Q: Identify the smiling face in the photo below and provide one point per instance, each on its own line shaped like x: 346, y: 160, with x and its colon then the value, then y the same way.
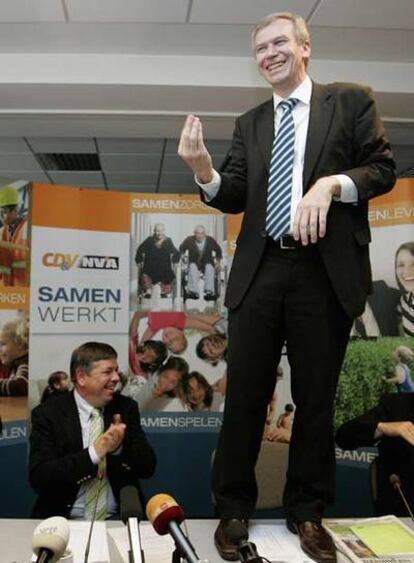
x: 168, y: 380
x: 10, y: 350
x: 97, y: 386
x: 200, y: 233
x: 174, y: 339
x: 196, y: 392
x: 404, y: 269
x: 214, y: 348
x: 159, y: 231
x: 280, y: 57
x: 148, y: 356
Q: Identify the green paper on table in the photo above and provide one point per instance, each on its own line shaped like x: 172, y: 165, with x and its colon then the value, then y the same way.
x: 385, y: 539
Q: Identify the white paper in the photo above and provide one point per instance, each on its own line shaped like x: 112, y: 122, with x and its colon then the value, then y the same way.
x: 277, y: 544
x: 157, y: 549
x: 98, y: 552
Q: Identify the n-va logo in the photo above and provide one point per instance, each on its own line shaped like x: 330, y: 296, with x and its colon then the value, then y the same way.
x: 87, y: 261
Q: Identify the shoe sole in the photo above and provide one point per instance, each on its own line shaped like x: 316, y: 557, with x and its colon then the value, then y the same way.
x: 224, y: 555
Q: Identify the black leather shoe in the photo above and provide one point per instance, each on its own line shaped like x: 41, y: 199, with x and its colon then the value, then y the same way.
x: 209, y: 296
x: 224, y: 537
x: 192, y: 295
x: 314, y: 540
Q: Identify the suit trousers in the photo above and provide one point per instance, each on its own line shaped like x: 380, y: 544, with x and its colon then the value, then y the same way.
x: 290, y: 300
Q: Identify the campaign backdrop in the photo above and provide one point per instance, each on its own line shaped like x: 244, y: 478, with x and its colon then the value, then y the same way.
x: 129, y: 269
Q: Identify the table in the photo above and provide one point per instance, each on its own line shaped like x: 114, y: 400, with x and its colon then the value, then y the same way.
x: 13, y: 408
x: 15, y: 538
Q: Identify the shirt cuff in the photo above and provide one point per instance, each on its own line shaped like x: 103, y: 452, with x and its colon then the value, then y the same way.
x: 349, y: 192
x: 211, y: 188
x: 93, y: 455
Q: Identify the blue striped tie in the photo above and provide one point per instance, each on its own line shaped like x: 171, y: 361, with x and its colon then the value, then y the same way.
x: 279, y: 191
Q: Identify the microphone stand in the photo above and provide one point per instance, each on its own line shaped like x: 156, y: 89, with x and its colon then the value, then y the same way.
x: 135, y: 553
x: 180, y: 553
x: 95, y: 506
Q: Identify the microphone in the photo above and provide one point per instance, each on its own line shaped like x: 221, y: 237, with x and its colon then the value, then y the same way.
x: 50, y: 539
x: 238, y: 535
x: 166, y: 516
x: 131, y: 514
x: 396, y: 483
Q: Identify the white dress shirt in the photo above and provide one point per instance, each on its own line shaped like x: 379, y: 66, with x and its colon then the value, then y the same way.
x: 78, y: 508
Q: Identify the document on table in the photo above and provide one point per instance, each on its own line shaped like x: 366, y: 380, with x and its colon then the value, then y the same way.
x: 277, y: 544
x: 384, y: 539
x: 157, y: 549
x: 98, y: 552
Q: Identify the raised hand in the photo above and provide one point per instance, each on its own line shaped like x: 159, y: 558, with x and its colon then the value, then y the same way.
x: 192, y: 150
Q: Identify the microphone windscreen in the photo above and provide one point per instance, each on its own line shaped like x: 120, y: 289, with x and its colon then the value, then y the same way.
x: 53, y: 534
x: 130, y: 505
x: 237, y: 532
x: 395, y: 480
x: 161, y: 510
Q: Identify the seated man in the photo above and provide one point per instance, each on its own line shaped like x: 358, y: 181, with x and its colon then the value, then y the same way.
x: 204, y: 256
x: 157, y: 254
x: 88, y: 444
x: 390, y: 426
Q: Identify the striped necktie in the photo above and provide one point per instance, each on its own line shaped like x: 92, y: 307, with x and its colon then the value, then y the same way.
x: 279, y: 191
x: 96, y: 488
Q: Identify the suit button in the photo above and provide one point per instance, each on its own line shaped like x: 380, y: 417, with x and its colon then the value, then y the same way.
x: 263, y: 233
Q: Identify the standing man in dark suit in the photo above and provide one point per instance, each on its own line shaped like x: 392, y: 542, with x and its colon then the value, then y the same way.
x: 301, y: 271
x: 390, y: 426
x: 72, y: 460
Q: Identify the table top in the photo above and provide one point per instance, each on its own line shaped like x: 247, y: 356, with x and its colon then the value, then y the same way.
x: 13, y: 408
x: 15, y: 538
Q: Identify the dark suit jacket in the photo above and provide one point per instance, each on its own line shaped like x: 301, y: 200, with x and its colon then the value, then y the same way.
x: 201, y: 259
x: 59, y: 465
x: 395, y: 455
x: 344, y: 136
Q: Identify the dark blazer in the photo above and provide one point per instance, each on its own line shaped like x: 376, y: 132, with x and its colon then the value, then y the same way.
x: 344, y: 136
x: 201, y: 259
x: 59, y: 465
x: 157, y: 260
x: 395, y: 455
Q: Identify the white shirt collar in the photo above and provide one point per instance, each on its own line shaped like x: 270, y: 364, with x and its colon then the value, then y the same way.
x: 303, y: 93
x: 84, y: 408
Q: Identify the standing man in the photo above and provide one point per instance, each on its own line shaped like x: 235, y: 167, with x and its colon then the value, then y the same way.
x: 204, y: 256
x: 88, y: 444
x: 303, y: 167
x: 14, y: 249
x: 157, y: 254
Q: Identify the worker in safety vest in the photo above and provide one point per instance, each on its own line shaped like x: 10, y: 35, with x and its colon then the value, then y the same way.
x: 14, y: 249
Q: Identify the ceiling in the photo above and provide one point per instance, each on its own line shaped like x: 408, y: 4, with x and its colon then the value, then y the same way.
x: 116, y: 78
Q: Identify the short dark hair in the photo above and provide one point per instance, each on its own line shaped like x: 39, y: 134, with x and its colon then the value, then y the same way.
x: 159, y: 349
x: 177, y: 364
x: 87, y: 354
x: 185, y: 386
x: 56, y: 377
x: 200, y: 345
x: 173, y: 362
